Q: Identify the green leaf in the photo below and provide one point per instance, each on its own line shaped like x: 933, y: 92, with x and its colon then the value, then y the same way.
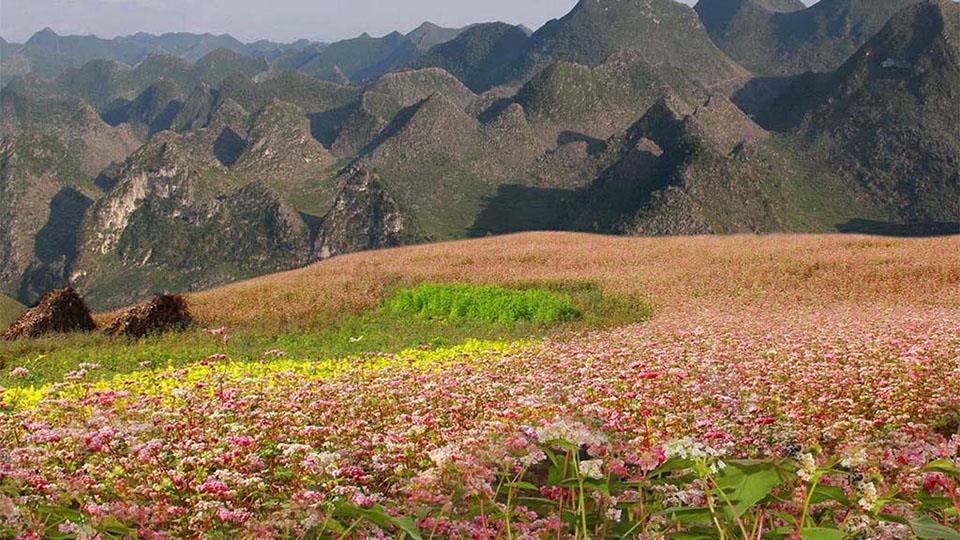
x: 928, y: 529
x: 816, y: 533
x: 934, y: 503
x: 522, y: 485
x: 688, y: 515
x: 747, y: 483
x: 672, y: 464
x: 944, y: 466
x: 829, y: 493
x: 378, y: 517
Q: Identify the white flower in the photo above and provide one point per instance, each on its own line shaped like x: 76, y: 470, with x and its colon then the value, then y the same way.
x: 570, y: 432
x: 614, y: 514
x: 442, y: 456
x: 687, y: 448
x: 807, y: 466
x: 592, y: 468
x: 854, y: 458
x: 868, y: 496
x: 535, y: 456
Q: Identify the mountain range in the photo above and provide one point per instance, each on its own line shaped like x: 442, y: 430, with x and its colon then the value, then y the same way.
x: 168, y: 163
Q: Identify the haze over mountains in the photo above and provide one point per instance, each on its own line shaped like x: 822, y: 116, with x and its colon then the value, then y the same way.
x: 150, y: 163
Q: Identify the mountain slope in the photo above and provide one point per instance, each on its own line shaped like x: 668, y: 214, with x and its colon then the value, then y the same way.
x: 428, y: 35
x: 706, y: 168
x: 603, y: 100
x: 887, y: 117
x: 481, y: 56
x: 382, y: 101
x: 772, y: 43
x: 360, y: 59
x: 662, y: 30
x: 48, y: 54
x: 52, y: 151
x: 178, y: 192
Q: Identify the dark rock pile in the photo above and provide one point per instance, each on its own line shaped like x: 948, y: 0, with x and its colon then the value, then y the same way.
x: 59, y: 311
x: 162, y: 313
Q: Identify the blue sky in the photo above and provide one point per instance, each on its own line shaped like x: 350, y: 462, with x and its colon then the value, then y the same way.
x: 283, y: 20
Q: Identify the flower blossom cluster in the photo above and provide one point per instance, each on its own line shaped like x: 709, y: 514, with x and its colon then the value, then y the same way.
x: 254, y: 453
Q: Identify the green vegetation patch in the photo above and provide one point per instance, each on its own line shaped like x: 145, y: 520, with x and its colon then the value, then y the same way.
x: 10, y: 309
x: 563, y: 306
x: 460, y: 301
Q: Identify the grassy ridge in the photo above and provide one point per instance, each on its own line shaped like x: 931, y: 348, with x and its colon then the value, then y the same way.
x: 10, y: 309
x: 332, y: 309
x: 534, y: 311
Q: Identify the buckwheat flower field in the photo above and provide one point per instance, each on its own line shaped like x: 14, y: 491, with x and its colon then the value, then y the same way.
x: 712, y: 420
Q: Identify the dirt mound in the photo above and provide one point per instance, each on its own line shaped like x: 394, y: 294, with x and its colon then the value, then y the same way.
x: 163, y: 313
x: 59, y: 311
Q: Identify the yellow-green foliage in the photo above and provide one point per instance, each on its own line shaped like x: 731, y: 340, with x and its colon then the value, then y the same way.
x: 163, y: 382
x: 461, y: 301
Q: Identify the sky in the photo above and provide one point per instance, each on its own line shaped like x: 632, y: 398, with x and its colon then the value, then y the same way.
x: 279, y: 20
x: 248, y: 20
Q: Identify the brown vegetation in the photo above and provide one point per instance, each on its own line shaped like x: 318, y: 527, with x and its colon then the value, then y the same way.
x: 59, y: 311
x: 677, y: 274
x: 162, y: 313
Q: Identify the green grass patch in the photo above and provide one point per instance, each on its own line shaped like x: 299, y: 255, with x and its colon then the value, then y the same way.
x: 572, y: 306
x: 465, y: 302
x: 10, y: 309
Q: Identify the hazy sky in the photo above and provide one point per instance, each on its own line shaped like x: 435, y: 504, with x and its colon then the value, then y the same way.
x: 264, y: 19
x: 281, y: 20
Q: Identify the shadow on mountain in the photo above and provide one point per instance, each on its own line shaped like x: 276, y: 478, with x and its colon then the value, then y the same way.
x: 884, y: 228
x: 228, y: 147
x: 164, y: 120
x: 594, y: 145
x: 517, y: 208
x: 493, y: 111
x: 325, y: 126
x: 757, y: 96
x: 55, y: 246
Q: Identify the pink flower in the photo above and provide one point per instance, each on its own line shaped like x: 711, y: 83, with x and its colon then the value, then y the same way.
x: 934, y: 482
x: 234, y: 516
x: 363, y: 501
x: 98, y: 440
x: 19, y: 373
x: 212, y: 486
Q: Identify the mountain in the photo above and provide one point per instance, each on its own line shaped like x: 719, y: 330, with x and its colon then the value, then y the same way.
x: 662, y: 30
x: 155, y: 109
x: 887, y: 117
x: 360, y: 59
x: 102, y: 82
x: 599, y: 101
x: 703, y: 167
x: 49, y: 54
x: 309, y: 94
x: 772, y: 41
x: 481, y: 56
x: 359, y: 124
x: 618, y: 118
x: 428, y: 35
x: 218, y: 186
x: 52, y: 151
